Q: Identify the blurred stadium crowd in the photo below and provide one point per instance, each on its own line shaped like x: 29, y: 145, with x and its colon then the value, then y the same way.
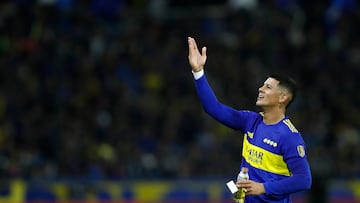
x: 102, y: 88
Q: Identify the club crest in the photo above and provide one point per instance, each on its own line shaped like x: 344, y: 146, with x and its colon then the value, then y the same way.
x: 301, y: 150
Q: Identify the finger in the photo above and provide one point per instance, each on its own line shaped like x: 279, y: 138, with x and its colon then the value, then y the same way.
x: 203, y: 51
x: 243, y: 182
x: 191, y: 45
x: 194, y: 43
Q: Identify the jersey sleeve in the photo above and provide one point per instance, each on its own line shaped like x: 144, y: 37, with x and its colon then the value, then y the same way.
x: 294, y: 155
x: 236, y: 119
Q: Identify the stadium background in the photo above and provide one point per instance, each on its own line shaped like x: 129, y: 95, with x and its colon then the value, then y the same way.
x: 97, y: 102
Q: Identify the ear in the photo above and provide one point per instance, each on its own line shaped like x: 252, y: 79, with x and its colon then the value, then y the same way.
x: 283, y: 98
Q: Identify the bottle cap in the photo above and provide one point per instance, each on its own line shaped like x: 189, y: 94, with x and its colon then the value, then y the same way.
x: 244, y: 169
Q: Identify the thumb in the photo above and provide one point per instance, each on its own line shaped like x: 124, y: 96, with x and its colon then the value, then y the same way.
x: 203, y: 51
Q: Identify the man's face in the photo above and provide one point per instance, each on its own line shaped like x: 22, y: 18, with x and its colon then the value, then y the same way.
x: 269, y: 93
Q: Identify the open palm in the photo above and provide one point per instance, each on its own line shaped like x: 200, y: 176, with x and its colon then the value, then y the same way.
x: 196, y: 59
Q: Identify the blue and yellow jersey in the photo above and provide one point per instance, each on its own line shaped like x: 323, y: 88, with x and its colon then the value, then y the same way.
x: 275, y: 154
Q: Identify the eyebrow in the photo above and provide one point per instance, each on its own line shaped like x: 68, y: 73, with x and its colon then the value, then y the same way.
x: 268, y: 84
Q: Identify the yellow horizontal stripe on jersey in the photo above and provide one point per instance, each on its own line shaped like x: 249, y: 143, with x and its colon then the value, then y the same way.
x: 263, y: 159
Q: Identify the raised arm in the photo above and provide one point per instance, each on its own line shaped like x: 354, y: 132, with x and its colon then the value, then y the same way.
x: 224, y: 114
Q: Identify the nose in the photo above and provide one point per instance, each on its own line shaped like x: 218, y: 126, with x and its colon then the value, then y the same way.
x: 260, y: 88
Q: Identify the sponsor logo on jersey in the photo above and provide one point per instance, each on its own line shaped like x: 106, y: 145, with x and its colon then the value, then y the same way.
x: 270, y: 142
x: 255, y: 156
x: 250, y: 134
x: 263, y: 159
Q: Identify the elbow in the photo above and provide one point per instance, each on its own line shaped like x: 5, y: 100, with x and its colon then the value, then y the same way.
x: 211, y: 109
x: 208, y: 110
x: 308, y: 182
x: 304, y: 182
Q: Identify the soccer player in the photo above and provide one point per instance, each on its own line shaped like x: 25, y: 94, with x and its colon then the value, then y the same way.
x: 273, y: 148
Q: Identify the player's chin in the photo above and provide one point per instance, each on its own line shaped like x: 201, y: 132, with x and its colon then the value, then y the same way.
x: 259, y: 103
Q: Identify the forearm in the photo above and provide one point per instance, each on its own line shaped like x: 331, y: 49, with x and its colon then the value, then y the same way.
x: 220, y: 112
x: 207, y: 97
x: 300, y: 180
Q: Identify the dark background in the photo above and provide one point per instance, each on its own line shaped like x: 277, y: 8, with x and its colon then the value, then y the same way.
x: 103, y: 90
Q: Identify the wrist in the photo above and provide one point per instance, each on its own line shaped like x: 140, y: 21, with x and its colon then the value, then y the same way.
x: 198, y: 74
x: 263, y: 190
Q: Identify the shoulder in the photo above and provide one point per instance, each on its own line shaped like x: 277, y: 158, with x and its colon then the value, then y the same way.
x: 255, y: 117
x: 289, y: 132
x: 288, y: 125
x: 248, y: 119
x: 250, y: 114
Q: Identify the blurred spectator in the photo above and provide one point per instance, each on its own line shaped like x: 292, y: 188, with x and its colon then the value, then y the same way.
x: 102, y: 89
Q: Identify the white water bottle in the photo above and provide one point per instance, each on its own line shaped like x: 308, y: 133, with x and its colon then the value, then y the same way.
x: 239, y: 196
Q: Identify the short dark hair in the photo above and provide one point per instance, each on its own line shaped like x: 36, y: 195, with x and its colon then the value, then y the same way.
x: 286, y: 82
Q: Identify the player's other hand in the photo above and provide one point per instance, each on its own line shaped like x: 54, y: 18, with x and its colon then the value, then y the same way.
x: 196, y: 59
x: 252, y: 187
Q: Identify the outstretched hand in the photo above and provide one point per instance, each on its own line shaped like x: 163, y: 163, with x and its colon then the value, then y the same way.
x: 196, y: 60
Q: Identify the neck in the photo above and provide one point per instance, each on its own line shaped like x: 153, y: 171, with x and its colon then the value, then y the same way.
x: 273, y: 115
